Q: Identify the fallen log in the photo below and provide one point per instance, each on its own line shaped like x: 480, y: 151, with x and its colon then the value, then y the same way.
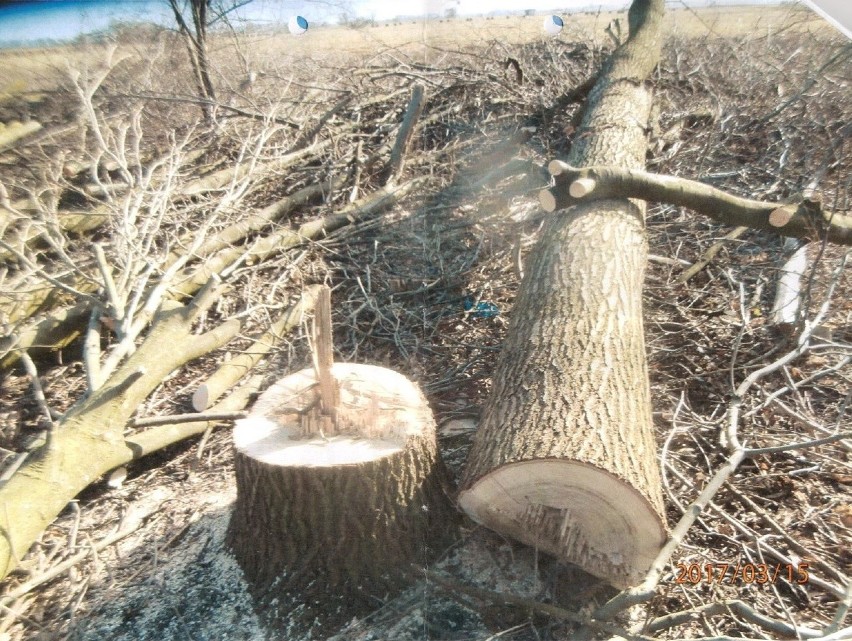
x: 565, y: 458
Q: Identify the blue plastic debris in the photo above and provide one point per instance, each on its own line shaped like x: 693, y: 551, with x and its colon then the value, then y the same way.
x: 482, y: 309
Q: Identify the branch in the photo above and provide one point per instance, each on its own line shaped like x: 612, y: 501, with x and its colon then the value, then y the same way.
x: 710, y: 254
x: 737, y: 607
x: 412, y: 114
x: 162, y: 435
x: 131, y: 524
x: 233, y: 370
x: 88, y: 440
x: 179, y: 419
x: 804, y: 219
x: 279, y: 241
x: 207, y: 102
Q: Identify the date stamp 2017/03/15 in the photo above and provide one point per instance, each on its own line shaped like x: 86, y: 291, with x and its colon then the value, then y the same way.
x: 746, y: 573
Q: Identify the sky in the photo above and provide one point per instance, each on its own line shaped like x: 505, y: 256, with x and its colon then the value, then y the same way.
x: 37, y: 20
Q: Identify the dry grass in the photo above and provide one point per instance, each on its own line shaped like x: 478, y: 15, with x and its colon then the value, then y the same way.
x: 39, y: 69
x: 401, y: 282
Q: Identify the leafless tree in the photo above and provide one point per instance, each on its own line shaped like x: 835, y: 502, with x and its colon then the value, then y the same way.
x: 202, y: 14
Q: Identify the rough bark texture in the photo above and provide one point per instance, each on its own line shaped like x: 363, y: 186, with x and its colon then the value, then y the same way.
x: 89, y: 439
x: 329, y: 537
x: 571, y: 382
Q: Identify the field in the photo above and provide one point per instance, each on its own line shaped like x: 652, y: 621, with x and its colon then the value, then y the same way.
x: 38, y: 69
x: 425, y: 261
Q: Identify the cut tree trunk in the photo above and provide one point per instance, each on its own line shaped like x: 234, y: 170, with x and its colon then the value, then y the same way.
x: 332, y: 515
x: 565, y: 458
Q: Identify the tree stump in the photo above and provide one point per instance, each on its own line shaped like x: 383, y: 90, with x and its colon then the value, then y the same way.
x: 337, y: 503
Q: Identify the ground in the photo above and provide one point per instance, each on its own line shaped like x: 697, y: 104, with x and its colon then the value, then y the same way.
x: 754, y: 101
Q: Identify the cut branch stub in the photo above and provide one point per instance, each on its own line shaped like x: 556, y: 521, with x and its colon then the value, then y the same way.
x: 582, y: 187
x: 781, y: 216
x: 334, y: 518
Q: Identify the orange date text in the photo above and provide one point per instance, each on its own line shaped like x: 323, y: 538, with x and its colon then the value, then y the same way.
x: 746, y: 573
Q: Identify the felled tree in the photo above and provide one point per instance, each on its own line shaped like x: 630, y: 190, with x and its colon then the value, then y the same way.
x: 565, y: 457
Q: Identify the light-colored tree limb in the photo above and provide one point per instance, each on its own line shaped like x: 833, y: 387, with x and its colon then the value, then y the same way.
x: 14, y: 131
x: 710, y: 254
x: 788, y: 293
x: 61, y: 327
x: 165, y: 434
x: 803, y: 219
x: 233, y: 370
x: 229, y: 258
x: 89, y: 439
x: 412, y: 114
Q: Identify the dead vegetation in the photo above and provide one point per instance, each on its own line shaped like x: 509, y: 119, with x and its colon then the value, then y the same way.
x: 425, y: 260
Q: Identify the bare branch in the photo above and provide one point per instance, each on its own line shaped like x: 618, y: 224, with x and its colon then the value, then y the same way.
x: 805, y: 219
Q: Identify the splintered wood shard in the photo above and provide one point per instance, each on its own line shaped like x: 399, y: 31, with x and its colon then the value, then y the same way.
x: 324, y: 360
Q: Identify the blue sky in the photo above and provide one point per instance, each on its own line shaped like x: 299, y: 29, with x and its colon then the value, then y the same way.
x: 35, y: 20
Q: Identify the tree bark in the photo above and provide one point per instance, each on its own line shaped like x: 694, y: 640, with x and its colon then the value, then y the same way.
x: 565, y: 457
x: 325, y: 521
x: 89, y: 440
x: 786, y: 309
x: 400, y: 148
x: 803, y: 219
x: 196, y: 45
